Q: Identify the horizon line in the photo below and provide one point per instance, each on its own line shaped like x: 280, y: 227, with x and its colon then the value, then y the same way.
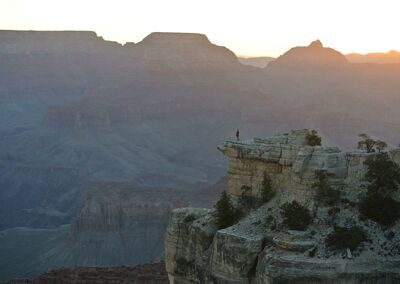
x: 239, y: 55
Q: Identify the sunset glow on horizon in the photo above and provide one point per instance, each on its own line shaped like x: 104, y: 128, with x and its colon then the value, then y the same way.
x: 249, y: 28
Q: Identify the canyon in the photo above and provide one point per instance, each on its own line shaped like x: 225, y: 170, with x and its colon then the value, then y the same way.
x: 78, y: 111
x: 116, y: 224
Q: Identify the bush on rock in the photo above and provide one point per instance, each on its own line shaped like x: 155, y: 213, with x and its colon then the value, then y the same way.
x: 295, y: 216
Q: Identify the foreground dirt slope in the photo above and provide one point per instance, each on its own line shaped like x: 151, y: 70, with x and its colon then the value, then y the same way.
x: 152, y: 273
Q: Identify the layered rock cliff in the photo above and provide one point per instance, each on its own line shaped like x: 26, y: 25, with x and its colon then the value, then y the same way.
x: 260, y: 248
x: 125, y: 224
x: 116, y: 224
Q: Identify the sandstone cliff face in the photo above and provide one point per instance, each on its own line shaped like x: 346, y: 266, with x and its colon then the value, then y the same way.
x: 248, y: 253
x: 121, y: 223
x: 116, y: 224
x: 291, y: 164
x: 259, y: 249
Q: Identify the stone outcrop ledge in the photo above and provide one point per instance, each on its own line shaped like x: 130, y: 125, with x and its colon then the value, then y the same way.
x: 258, y: 249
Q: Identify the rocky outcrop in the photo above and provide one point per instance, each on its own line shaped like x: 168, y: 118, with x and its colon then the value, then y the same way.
x: 290, y: 163
x: 275, y: 267
x: 188, y: 238
x: 260, y: 248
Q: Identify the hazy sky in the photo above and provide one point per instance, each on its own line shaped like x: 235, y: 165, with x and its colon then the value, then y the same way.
x: 248, y: 27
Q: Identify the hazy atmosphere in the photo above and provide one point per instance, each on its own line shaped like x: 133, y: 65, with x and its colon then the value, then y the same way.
x: 189, y: 142
x: 249, y: 28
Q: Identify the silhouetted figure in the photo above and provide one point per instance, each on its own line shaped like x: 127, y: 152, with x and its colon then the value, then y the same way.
x: 237, y: 134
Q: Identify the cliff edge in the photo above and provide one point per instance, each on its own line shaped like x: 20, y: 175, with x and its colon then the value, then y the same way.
x: 262, y: 247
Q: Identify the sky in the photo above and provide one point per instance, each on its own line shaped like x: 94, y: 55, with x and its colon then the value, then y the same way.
x: 248, y: 27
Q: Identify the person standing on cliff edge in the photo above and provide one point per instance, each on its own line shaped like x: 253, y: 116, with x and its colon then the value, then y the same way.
x: 237, y: 134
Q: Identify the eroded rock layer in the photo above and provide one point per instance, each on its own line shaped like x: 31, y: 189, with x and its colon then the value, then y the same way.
x: 260, y: 248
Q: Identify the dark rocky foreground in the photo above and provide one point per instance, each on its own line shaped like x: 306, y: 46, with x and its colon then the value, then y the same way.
x: 152, y: 273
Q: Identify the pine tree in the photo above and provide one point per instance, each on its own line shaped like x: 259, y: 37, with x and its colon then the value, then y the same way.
x: 383, y: 174
x: 295, y: 216
x: 326, y: 195
x: 267, y: 193
x: 225, y: 213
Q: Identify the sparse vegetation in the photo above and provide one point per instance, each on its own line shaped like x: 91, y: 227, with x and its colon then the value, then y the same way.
x: 383, y: 210
x: 313, y: 139
x: 370, y: 145
x: 383, y: 176
x: 225, y: 213
x: 295, y: 216
x: 325, y: 193
x: 342, y: 238
x: 246, y: 203
x: 267, y: 193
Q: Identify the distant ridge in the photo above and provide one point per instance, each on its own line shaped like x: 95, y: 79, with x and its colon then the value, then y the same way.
x: 311, y: 56
x: 55, y: 42
x: 32, y: 42
x: 259, y: 62
x: 177, y: 48
x: 172, y: 36
x: 389, y: 57
x: 183, y: 48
